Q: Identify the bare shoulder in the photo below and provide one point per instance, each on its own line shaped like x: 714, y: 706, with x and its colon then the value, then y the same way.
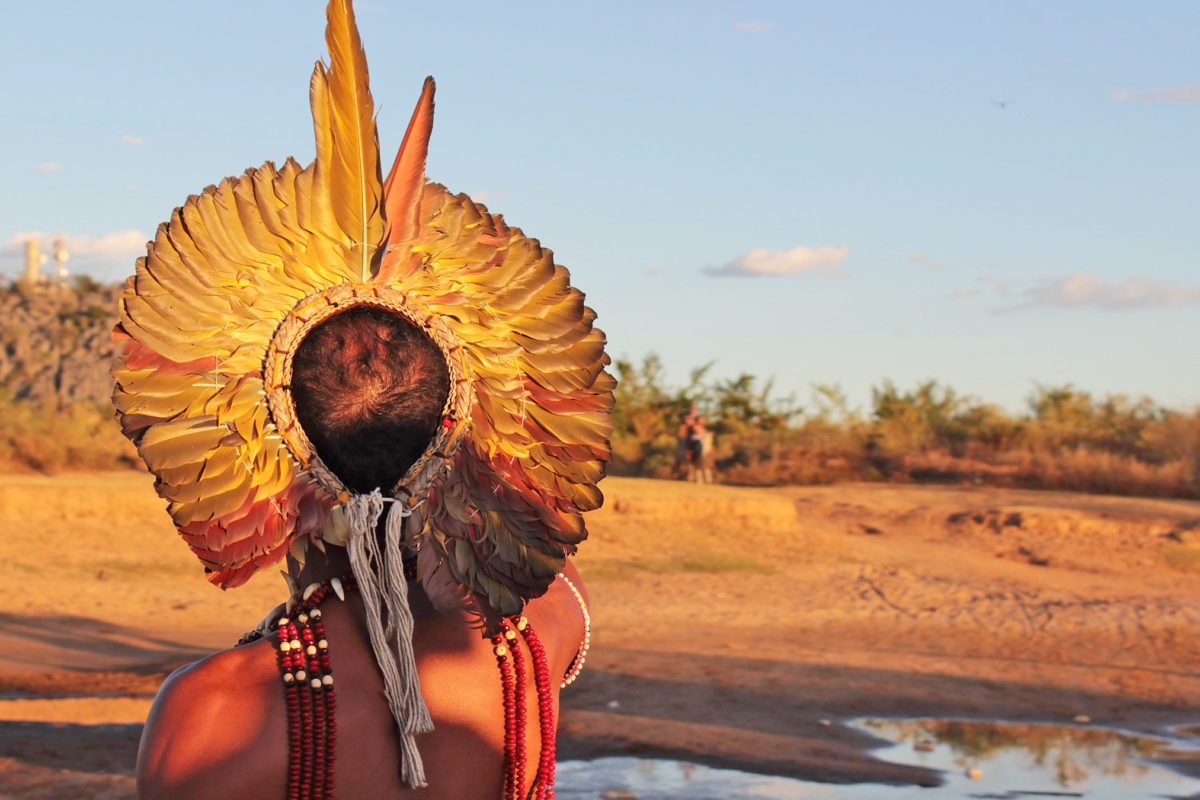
x: 216, y: 729
x: 559, y: 616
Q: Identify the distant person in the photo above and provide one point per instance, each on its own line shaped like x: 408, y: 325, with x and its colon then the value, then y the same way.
x: 694, y: 453
x: 332, y: 369
x: 703, y: 453
x: 685, y: 444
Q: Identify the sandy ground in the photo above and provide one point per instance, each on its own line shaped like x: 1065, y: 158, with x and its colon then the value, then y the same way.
x: 729, y: 623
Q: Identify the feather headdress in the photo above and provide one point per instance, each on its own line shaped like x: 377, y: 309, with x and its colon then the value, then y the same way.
x: 242, y: 271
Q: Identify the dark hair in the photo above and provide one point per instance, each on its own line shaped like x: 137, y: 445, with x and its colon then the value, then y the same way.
x: 369, y: 388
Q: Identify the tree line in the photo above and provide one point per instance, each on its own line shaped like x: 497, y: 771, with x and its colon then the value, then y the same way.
x: 1065, y: 439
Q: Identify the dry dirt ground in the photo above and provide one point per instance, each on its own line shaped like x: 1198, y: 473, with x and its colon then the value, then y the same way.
x: 729, y: 623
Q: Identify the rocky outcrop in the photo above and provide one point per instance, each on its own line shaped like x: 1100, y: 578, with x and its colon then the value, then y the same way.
x: 56, y: 343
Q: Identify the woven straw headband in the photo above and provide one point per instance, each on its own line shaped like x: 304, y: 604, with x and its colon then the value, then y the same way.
x: 319, y: 307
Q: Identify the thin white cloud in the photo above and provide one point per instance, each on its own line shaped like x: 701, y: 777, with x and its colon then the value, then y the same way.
x: 111, y: 247
x: 49, y: 166
x: 132, y: 140
x: 998, y: 284
x: 990, y: 284
x: 1083, y: 290
x: 923, y: 260
x: 16, y: 245
x: 753, y: 27
x: 796, y: 261
x: 119, y: 244
x: 1189, y: 93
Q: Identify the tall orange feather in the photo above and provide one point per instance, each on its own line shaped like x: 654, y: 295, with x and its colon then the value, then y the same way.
x: 405, y: 184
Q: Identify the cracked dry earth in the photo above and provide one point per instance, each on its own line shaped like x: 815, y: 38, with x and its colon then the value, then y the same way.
x: 732, y: 626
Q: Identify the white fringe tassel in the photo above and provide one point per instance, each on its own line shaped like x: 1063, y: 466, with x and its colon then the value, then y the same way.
x: 384, y: 591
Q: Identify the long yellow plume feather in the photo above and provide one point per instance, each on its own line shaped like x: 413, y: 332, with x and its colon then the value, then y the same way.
x: 347, y: 173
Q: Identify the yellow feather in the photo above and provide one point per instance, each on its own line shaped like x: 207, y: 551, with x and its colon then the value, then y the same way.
x: 347, y: 173
x: 223, y: 500
x: 179, y: 442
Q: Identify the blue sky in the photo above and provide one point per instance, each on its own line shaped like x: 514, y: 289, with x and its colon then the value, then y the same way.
x: 989, y: 194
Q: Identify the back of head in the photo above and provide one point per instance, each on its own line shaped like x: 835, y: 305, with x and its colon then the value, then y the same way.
x: 370, y: 389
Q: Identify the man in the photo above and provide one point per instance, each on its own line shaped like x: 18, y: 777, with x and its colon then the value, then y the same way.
x: 703, y: 452
x: 405, y: 396
x: 686, y: 444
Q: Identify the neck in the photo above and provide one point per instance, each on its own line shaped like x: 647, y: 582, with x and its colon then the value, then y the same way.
x: 335, y: 563
x: 319, y: 567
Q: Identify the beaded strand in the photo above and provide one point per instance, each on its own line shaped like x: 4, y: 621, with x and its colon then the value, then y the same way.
x: 513, y: 682
x: 307, y: 673
x: 521, y: 684
x: 544, y: 788
x: 326, y: 670
x: 502, y: 651
x: 576, y: 666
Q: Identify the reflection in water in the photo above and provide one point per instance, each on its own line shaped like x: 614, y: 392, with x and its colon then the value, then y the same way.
x: 980, y: 760
x: 1070, y: 754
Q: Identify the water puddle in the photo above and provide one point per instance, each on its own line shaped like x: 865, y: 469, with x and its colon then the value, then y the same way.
x: 978, y: 760
x: 1017, y: 760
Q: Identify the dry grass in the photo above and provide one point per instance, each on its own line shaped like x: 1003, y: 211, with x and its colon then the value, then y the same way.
x: 83, y: 437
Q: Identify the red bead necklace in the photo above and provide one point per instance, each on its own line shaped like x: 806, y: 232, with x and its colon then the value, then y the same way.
x: 512, y: 678
x: 311, y: 699
x: 303, y: 660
